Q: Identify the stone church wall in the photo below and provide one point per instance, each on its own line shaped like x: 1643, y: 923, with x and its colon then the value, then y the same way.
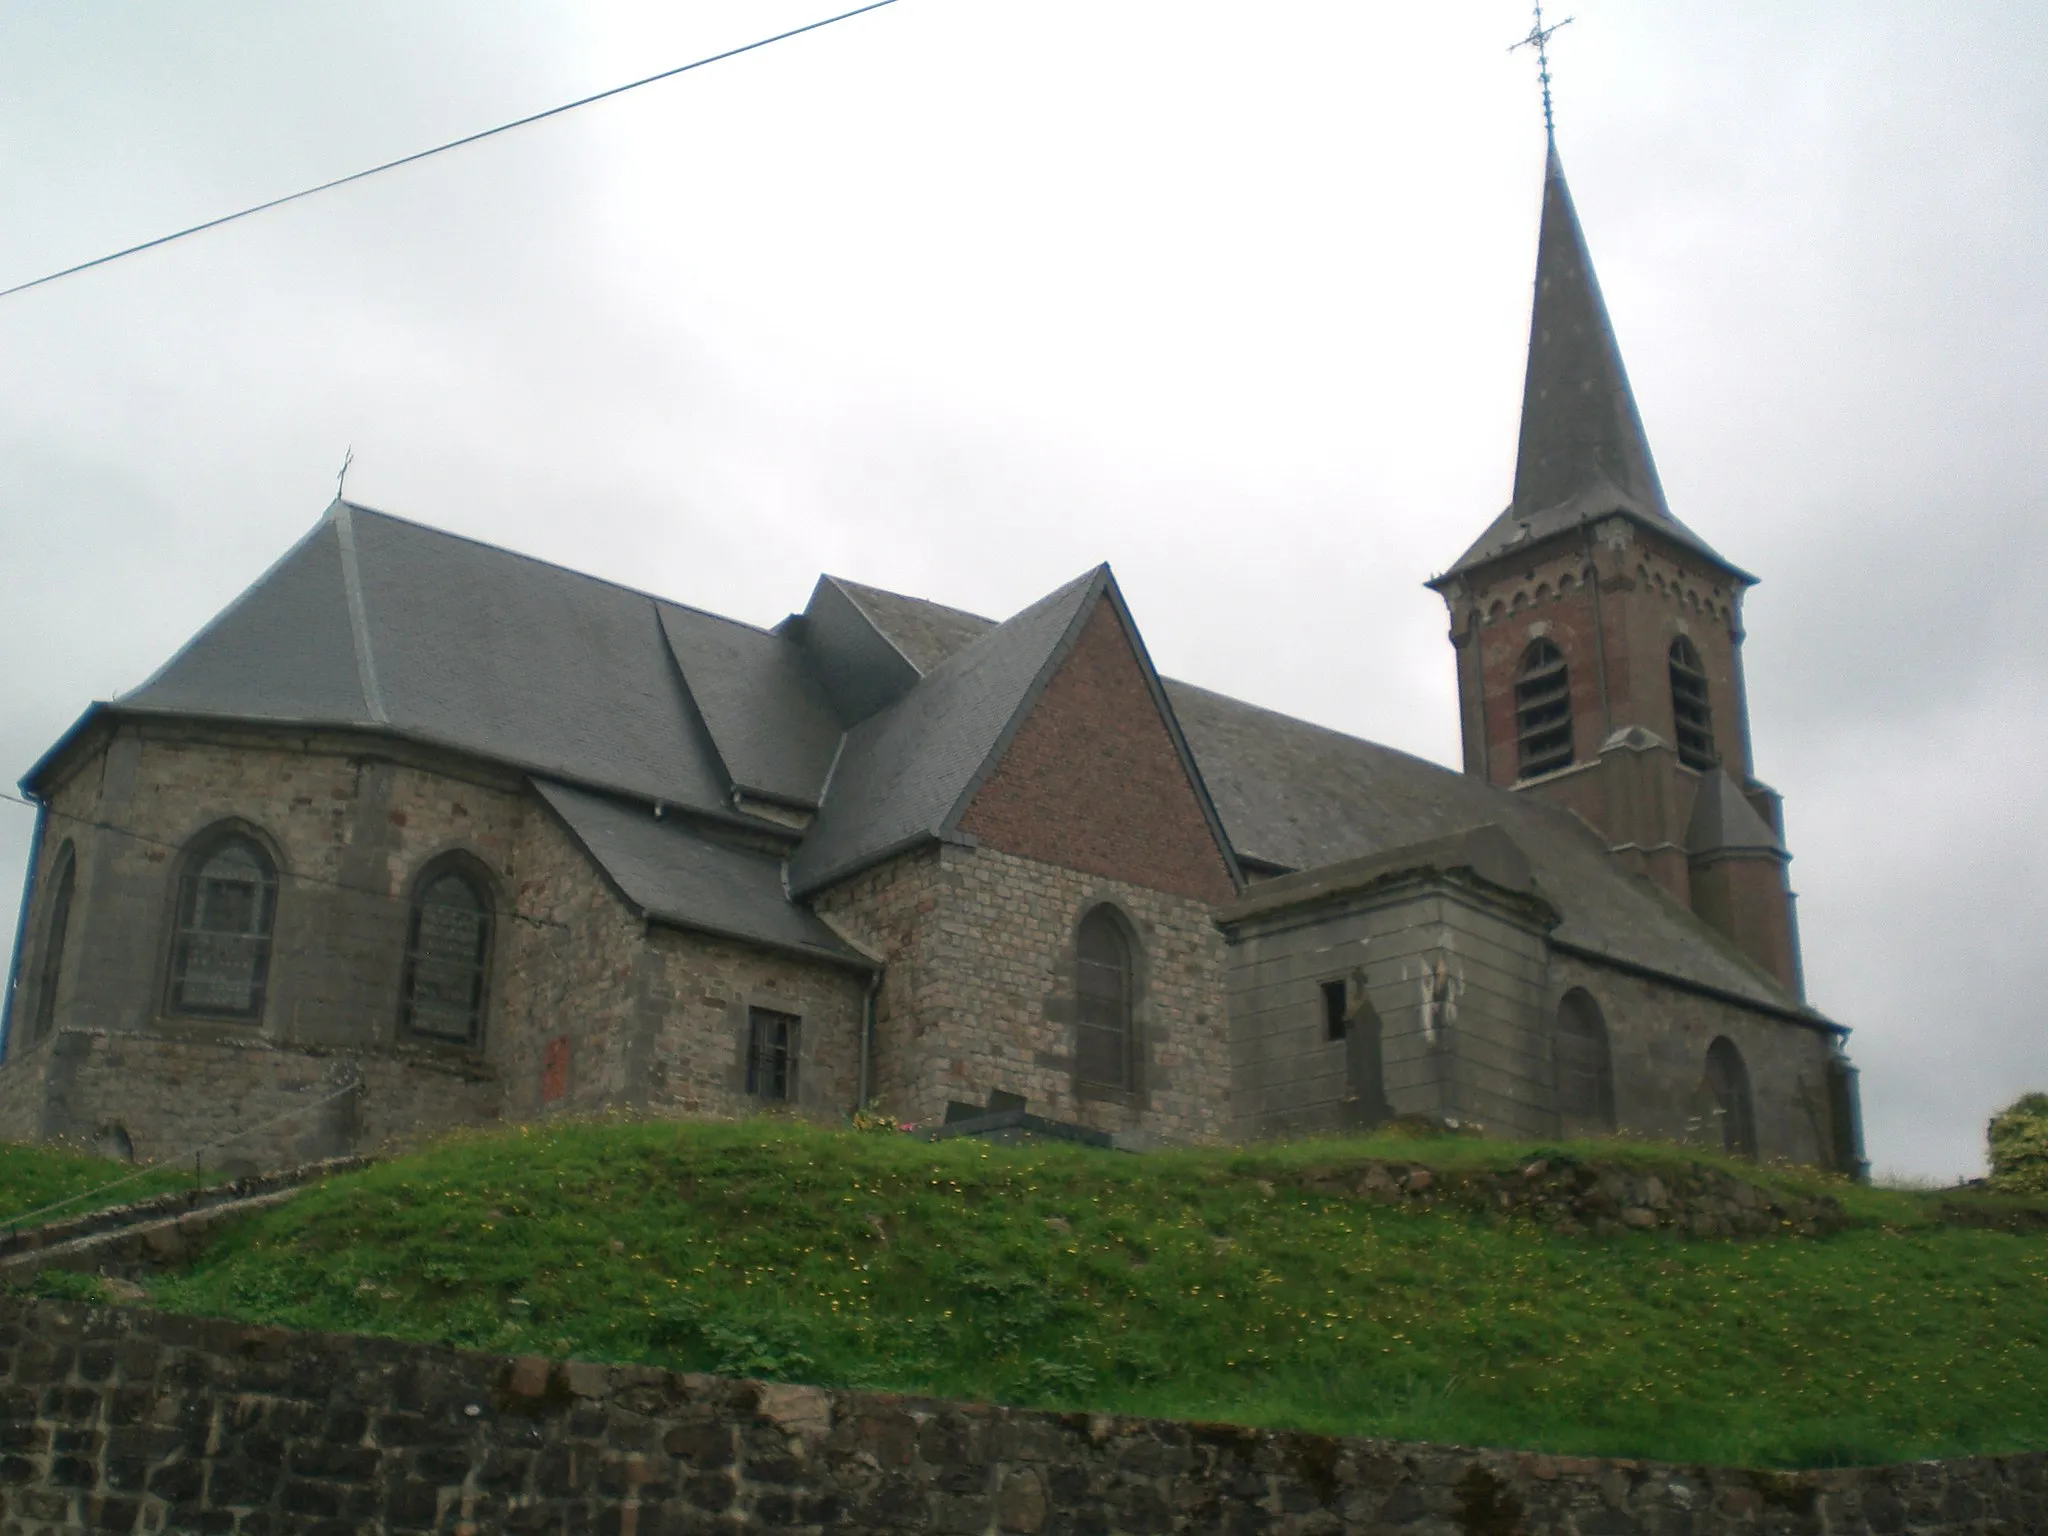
x: 979, y: 991
x: 1658, y: 1036
x: 654, y: 1019
x: 1457, y: 988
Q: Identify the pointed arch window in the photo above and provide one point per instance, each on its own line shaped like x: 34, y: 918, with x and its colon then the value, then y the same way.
x: 1543, y: 711
x: 227, y: 905
x: 447, y: 955
x: 1585, y: 1066
x: 51, y: 972
x: 1104, y: 1047
x: 1690, y: 713
x: 1728, y: 1086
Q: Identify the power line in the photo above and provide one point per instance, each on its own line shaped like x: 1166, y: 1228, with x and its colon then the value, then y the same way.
x: 158, y: 842
x: 438, y: 149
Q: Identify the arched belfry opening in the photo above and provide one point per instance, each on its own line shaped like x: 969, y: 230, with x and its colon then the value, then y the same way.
x: 1543, y: 711
x: 1692, y: 716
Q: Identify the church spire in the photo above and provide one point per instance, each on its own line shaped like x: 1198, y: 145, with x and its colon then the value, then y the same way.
x: 1581, y: 433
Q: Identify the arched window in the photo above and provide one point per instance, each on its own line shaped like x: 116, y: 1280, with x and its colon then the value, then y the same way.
x: 220, y: 956
x: 1543, y: 711
x: 64, y: 879
x: 1693, y: 719
x: 1728, y: 1086
x: 447, y: 956
x: 1585, y: 1070
x: 1104, y: 1045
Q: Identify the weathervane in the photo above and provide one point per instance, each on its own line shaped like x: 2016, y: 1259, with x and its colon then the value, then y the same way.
x: 1539, y: 39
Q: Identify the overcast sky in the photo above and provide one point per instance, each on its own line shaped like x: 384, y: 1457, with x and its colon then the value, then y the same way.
x: 963, y: 296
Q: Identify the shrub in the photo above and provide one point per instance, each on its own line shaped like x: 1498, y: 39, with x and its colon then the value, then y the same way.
x: 2019, y: 1147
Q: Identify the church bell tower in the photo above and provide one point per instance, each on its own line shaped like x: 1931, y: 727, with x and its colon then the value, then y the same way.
x: 1599, y: 639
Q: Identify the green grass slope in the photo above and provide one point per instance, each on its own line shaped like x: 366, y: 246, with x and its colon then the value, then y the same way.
x: 1191, y: 1284
x: 42, y: 1184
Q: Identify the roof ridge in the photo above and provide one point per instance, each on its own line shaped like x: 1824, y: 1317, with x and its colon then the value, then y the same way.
x: 262, y: 579
x: 848, y: 585
x: 526, y: 559
x: 358, y: 614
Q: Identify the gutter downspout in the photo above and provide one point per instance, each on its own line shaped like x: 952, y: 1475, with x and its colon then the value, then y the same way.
x: 28, y: 891
x: 867, y: 1039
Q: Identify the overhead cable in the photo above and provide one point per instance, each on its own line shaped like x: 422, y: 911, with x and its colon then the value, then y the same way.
x: 440, y: 149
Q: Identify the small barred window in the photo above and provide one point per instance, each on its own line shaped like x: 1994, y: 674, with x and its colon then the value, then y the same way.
x: 1543, y: 711
x: 772, y: 1054
x: 1689, y: 710
x: 447, y: 957
x: 220, y: 958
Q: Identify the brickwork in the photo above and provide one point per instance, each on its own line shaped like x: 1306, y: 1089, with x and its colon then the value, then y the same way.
x: 1092, y: 782
x: 1658, y: 1037
x: 979, y: 991
x: 121, y: 1421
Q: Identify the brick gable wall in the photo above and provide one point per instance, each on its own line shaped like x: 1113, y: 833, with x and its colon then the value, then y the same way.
x: 1091, y: 781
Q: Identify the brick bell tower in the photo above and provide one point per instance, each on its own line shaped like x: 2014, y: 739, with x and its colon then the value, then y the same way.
x: 1599, y: 639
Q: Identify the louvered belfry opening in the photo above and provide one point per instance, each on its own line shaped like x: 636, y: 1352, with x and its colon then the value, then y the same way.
x: 1103, y: 1044
x: 1543, y: 711
x: 1690, y: 712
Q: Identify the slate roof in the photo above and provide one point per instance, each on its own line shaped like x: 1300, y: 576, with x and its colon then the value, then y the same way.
x: 1300, y: 796
x: 374, y: 621
x: 1723, y: 821
x: 615, y: 700
x: 679, y: 874
x: 768, y: 715
x: 1582, y: 452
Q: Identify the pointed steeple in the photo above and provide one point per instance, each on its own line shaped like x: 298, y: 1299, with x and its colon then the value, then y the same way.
x: 1583, y: 453
x: 1581, y: 431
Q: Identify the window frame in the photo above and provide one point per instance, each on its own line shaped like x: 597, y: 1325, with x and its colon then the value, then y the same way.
x: 1692, y: 707
x: 1725, y: 1066
x: 786, y: 1055
x: 1336, y: 1011
x: 1544, y: 737
x: 1107, y: 918
x: 200, y: 851
x: 1601, y: 1113
x: 455, y: 865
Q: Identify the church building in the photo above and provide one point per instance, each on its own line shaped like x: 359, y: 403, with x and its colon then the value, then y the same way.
x: 421, y: 833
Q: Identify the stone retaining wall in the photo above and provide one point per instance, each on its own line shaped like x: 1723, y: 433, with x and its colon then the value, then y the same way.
x: 113, y: 1420
x: 1601, y: 1197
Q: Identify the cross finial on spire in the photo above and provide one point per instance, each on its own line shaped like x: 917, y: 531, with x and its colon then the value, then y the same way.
x: 341, y: 480
x: 1539, y: 39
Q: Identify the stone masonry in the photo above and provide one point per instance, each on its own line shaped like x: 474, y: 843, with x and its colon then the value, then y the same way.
x: 632, y: 1018
x: 139, y: 1422
x: 979, y: 990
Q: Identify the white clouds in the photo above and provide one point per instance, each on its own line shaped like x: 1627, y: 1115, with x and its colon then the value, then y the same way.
x: 964, y: 297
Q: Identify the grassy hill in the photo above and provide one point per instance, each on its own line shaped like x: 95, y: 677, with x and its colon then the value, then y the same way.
x: 1239, y: 1285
